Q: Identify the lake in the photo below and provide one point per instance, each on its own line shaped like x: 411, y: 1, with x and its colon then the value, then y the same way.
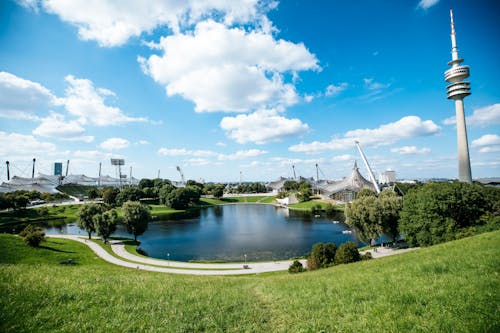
x: 227, y: 233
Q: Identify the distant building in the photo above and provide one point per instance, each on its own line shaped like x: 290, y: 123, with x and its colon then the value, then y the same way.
x: 58, y: 169
x: 387, y: 177
x: 347, y: 189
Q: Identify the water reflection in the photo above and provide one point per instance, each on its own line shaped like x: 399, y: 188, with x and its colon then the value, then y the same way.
x: 226, y: 233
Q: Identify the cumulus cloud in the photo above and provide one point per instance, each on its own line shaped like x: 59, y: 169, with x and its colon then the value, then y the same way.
x: 15, y: 143
x: 114, y: 144
x: 488, y: 143
x: 228, y: 69
x: 410, y: 150
x: 114, y: 22
x: 238, y: 155
x: 482, y: 117
x: 95, y: 155
x: 426, y: 4
x: 87, y: 103
x: 334, y: 90
x: 262, y: 127
x: 55, y: 126
x: 406, y: 127
x: 23, y: 99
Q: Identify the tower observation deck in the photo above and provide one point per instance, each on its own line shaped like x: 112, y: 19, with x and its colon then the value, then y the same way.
x: 457, y: 90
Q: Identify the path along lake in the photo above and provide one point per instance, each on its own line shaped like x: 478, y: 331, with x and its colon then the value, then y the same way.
x: 227, y: 233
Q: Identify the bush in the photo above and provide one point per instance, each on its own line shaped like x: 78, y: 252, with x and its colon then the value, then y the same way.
x: 43, y: 211
x: 366, y: 256
x: 296, y: 267
x: 321, y: 256
x: 32, y: 235
x: 346, y: 253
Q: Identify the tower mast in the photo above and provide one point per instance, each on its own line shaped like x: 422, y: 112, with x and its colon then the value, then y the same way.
x: 457, y: 90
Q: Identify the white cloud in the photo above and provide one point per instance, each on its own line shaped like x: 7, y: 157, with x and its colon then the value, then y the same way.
x: 114, y: 22
x: 95, y: 155
x: 23, y: 99
x: 15, y: 143
x: 143, y: 142
x: 489, y: 143
x: 83, y: 100
x: 370, y: 84
x: 343, y: 158
x: 426, y: 4
x: 114, y: 143
x: 262, y: 127
x: 55, y: 126
x: 406, y: 127
x: 238, y: 155
x: 221, y: 144
x: 333, y: 89
x: 228, y: 69
x: 482, y: 117
x: 185, y: 152
x: 410, y: 150
x: 242, y: 154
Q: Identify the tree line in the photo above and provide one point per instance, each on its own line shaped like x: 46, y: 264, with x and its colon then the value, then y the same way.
x: 427, y: 214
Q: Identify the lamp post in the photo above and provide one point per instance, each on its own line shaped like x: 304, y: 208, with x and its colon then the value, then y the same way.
x: 168, y: 259
x: 245, y: 259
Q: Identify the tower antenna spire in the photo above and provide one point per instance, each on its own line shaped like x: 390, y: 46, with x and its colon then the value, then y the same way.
x: 457, y: 90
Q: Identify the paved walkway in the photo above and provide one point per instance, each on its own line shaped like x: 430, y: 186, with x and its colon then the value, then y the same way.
x: 179, y: 267
x: 176, y: 267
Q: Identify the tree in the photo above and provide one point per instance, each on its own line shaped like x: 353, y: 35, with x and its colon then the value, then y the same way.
x: 105, y: 223
x: 305, y: 192
x: 296, y: 267
x: 321, y: 256
x: 346, y: 253
x: 109, y: 195
x: 136, y: 217
x: 390, y: 205
x: 218, y: 191
x: 181, y: 198
x: 365, y: 193
x: 93, y: 193
x: 32, y: 235
x: 129, y: 194
x: 145, y: 183
x: 373, y: 216
x: 364, y: 215
x: 164, y: 192
x: 436, y: 212
x: 290, y: 185
x: 85, y: 217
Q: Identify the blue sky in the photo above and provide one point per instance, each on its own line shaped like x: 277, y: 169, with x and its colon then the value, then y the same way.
x: 219, y: 87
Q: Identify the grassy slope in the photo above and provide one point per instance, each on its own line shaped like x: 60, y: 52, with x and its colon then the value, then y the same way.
x: 451, y: 287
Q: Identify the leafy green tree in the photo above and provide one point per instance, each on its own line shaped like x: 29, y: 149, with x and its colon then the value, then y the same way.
x: 32, y: 235
x: 365, y: 193
x: 218, y: 191
x: 305, y: 192
x: 390, y: 205
x: 145, y: 183
x: 296, y: 267
x: 321, y: 256
x: 136, y: 217
x: 93, y: 193
x: 109, y: 195
x: 129, y: 194
x: 181, y: 198
x: 164, y: 192
x: 347, y: 253
x: 105, y: 223
x: 435, y: 212
x: 364, y: 215
x: 290, y: 185
x: 85, y: 217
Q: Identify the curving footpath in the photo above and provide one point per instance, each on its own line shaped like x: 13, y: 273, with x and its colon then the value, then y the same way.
x: 187, y: 268
x: 175, y: 267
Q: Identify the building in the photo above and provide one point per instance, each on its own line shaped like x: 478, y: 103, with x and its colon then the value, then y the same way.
x: 387, y: 177
x: 347, y: 189
x: 457, y: 90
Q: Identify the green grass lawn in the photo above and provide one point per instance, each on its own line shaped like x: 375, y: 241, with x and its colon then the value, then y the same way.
x: 452, y: 287
x: 18, y: 219
x: 308, y: 205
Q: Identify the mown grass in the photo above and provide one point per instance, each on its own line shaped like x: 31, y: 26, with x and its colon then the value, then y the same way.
x: 17, y: 220
x: 452, y: 287
x: 308, y: 205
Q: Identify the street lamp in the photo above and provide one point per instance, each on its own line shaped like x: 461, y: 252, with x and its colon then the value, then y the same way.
x: 168, y: 259
x: 245, y: 259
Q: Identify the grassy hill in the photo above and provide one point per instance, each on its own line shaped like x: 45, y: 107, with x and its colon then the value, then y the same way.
x: 452, y: 287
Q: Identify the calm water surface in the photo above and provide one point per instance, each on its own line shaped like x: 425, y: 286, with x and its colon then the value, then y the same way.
x: 227, y: 233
